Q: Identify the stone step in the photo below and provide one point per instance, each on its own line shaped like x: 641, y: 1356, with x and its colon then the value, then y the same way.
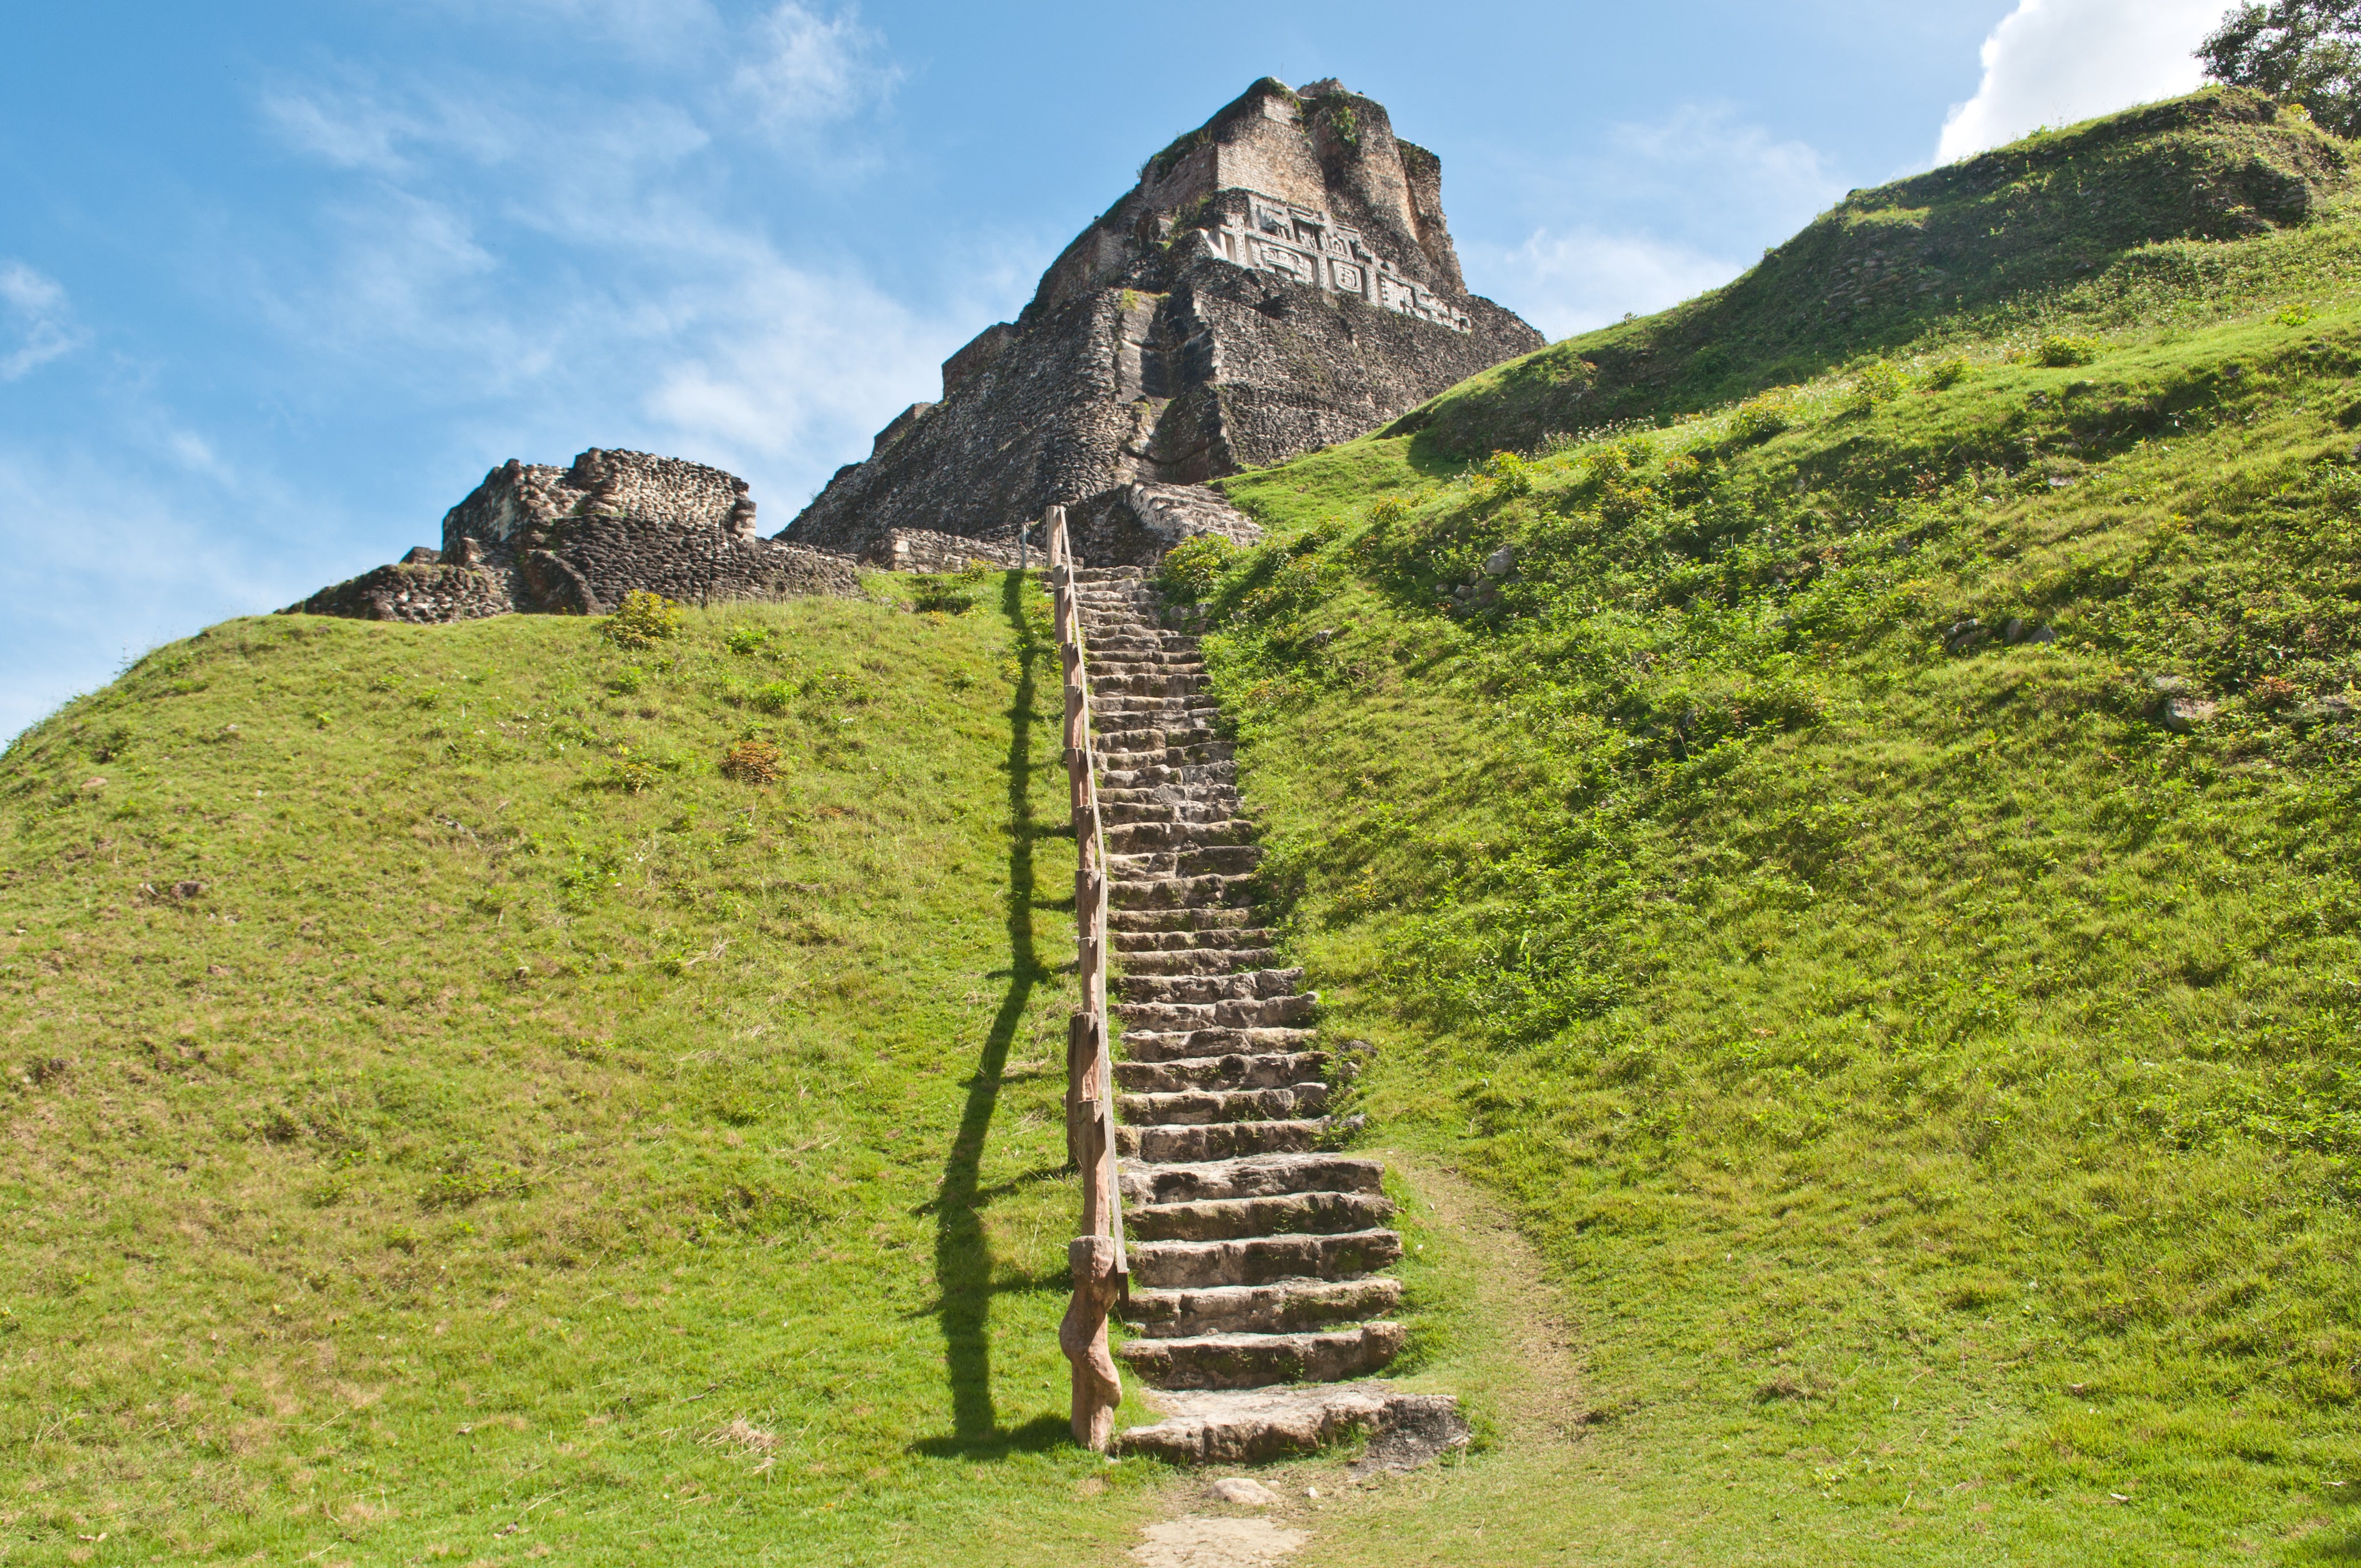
x: 1218, y: 859
x: 1224, y: 774
x: 1137, y: 838
x: 1290, y: 1306
x: 1149, y: 732
x: 1242, y: 938
x: 1196, y: 960
x: 1253, y: 985
x: 1220, y: 1140
x: 1193, y: 919
x: 1258, y: 1361
x: 1261, y: 1260
x: 1147, y: 686
x: 1175, y: 893
x: 1153, y: 1046
x: 1225, y: 794
x: 1126, y: 758
x: 1196, y: 1107
x: 1277, y: 1070
x: 1285, y: 1214
x: 1270, y: 1013
x: 1220, y: 1426
x: 1255, y: 1176
x: 1164, y: 813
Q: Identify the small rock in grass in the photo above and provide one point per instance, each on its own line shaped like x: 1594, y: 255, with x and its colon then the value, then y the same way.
x: 1244, y: 1491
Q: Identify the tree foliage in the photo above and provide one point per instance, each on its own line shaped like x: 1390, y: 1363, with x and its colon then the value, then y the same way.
x: 2302, y: 51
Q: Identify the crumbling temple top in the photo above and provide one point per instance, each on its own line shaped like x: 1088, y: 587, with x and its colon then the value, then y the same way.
x: 1281, y: 278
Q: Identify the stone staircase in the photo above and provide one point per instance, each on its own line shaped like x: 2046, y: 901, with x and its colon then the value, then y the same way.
x: 1252, y: 1250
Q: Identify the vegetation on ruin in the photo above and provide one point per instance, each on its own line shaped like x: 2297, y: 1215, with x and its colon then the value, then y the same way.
x: 1867, y: 874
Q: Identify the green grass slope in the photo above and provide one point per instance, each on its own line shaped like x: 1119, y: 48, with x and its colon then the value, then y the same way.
x: 446, y: 1118
x: 1931, y: 1075
x: 1961, y: 252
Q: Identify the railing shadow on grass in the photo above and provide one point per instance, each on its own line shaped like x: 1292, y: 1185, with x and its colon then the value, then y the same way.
x: 963, y: 1262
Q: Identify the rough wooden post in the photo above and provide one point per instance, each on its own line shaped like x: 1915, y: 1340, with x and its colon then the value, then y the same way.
x: 1083, y: 1337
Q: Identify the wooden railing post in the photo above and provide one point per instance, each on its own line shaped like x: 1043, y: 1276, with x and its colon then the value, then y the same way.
x: 1100, y: 1270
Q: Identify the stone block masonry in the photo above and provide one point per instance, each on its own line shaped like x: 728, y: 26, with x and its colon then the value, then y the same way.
x: 537, y: 539
x: 1281, y: 278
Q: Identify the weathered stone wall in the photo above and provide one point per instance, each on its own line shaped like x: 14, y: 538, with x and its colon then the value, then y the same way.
x: 924, y: 550
x: 1281, y: 278
x: 516, y: 497
x: 424, y: 593
x: 537, y: 539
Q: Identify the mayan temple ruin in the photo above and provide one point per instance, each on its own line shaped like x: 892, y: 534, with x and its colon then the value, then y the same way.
x: 1281, y: 278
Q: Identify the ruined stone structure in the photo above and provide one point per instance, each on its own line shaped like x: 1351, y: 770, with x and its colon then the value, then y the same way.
x: 1281, y: 278
x: 536, y: 538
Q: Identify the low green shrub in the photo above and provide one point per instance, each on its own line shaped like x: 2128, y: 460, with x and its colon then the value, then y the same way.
x: 643, y: 621
x: 2060, y: 350
x: 1190, y: 568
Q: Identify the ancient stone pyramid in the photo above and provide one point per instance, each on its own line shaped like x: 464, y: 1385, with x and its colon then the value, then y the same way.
x: 1281, y: 278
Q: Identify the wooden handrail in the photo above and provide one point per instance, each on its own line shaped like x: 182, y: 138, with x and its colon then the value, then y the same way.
x: 1101, y: 1271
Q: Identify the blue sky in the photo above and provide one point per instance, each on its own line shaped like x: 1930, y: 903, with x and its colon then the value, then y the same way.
x: 280, y: 281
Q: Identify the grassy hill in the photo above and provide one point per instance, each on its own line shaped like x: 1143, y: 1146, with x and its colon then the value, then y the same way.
x: 446, y: 1117
x: 1868, y: 871
x: 1835, y: 805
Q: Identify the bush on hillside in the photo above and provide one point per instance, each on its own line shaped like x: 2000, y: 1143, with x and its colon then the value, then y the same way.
x: 1877, y: 382
x: 643, y: 621
x: 2060, y: 350
x: 1946, y: 374
x: 1762, y: 416
x: 1191, y: 567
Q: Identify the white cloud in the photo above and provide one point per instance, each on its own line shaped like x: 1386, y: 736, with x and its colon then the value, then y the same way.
x: 42, y: 320
x: 812, y: 69
x: 2055, y: 62
x: 1708, y: 184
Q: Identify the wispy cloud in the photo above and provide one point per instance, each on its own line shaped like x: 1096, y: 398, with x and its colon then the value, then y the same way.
x: 2055, y: 62
x: 40, y: 321
x: 810, y: 69
x: 1711, y: 184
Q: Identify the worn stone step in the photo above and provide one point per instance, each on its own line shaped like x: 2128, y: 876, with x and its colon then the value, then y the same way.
x: 1126, y: 758
x: 1271, y: 1013
x: 1219, y: 859
x: 1255, y: 1176
x: 1219, y: 1140
x: 1153, y: 1045
x: 1222, y: 774
x: 1148, y: 732
x: 1180, y: 813
x: 1237, y: 1069
x: 1261, y: 1260
x: 1175, y: 893
x: 1282, y: 1215
x: 1258, y: 1361
x: 1290, y: 1306
x: 1195, y: 1107
x: 1147, y: 686
x: 1241, y: 938
x: 1224, y: 1426
x: 1196, y: 960
x: 1252, y: 985
x: 1137, y: 838
x: 1188, y: 920
x: 1223, y: 794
